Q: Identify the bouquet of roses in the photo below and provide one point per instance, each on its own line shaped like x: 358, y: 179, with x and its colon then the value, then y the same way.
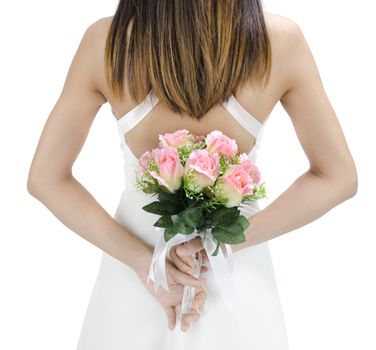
x: 200, y: 182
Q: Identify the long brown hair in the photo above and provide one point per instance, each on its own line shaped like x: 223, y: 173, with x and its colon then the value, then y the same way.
x: 193, y: 54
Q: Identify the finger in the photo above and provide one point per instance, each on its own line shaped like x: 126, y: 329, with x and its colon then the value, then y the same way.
x: 204, y: 269
x: 191, y: 247
x: 181, y: 265
x: 171, y: 317
x: 185, y: 263
x: 193, y: 262
x: 204, y: 255
x: 200, y: 289
x: 188, y: 260
x: 188, y: 319
x: 185, y: 279
x: 199, y: 299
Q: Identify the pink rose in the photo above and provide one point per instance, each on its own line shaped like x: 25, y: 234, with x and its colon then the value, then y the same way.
x: 234, y: 184
x: 171, y: 171
x: 178, y: 138
x: 243, y: 157
x: 250, y: 168
x: 217, y: 142
x: 143, y: 162
x: 204, y: 169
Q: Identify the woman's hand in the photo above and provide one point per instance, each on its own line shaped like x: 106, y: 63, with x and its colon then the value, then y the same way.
x: 182, y: 255
x: 195, y: 313
x: 171, y: 301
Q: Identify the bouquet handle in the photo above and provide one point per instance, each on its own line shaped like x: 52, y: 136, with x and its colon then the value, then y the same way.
x: 222, y: 268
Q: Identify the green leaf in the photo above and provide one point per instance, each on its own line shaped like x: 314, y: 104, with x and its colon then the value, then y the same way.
x: 191, y: 216
x: 170, y: 207
x: 164, y: 221
x: 161, y: 208
x: 243, y: 222
x: 223, y: 235
x: 225, y: 216
x: 175, y: 198
x: 168, y: 233
x: 234, y: 229
x: 155, y: 208
x: 180, y: 227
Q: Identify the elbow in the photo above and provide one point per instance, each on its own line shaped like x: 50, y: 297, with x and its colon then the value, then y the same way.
x: 345, y: 182
x: 352, y: 187
x: 32, y: 186
x: 33, y: 180
x: 38, y: 183
x: 349, y: 184
x: 352, y: 183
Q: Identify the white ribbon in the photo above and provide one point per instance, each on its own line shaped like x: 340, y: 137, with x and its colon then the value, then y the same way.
x: 222, y: 267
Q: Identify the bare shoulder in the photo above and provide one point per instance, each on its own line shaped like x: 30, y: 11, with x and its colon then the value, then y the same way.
x: 290, y: 50
x: 282, y: 27
x: 285, y: 35
x: 102, y: 23
x: 95, y: 38
x: 96, y: 32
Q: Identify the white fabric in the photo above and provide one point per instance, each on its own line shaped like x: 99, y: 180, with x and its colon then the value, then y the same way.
x: 123, y: 315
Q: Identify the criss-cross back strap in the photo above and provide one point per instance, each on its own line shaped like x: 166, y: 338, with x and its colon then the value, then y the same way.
x: 244, y: 118
x: 135, y: 115
x: 232, y: 105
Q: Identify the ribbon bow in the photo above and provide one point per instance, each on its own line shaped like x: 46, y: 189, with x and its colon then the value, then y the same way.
x: 222, y: 267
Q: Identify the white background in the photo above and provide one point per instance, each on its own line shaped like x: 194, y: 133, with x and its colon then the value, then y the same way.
x: 325, y: 270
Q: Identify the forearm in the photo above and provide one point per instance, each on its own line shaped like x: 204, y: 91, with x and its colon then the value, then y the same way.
x: 77, y: 209
x: 309, y: 197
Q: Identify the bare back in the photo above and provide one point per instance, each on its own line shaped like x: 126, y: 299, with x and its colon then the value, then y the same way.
x: 295, y: 82
x: 259, y: 103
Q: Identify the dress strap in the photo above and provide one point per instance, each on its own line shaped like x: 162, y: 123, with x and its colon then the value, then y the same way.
x: 135, y: 115
x: 246, y: 119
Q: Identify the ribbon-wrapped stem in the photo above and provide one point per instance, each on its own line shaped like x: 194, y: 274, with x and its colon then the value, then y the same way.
x: 222, y: 268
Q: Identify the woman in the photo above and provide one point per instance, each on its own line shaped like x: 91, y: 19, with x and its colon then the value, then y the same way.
x: 201, y: 66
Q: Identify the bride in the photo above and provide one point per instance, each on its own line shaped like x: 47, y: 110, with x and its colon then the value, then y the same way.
x: 212, y: 65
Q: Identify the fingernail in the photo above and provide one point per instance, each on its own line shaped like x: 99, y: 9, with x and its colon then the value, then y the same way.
x: 186, y: 326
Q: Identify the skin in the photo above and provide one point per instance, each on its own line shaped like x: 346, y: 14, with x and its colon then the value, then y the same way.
x: 295, y: 82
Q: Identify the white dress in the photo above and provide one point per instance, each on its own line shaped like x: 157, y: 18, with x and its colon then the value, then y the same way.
x: 123, y: 315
